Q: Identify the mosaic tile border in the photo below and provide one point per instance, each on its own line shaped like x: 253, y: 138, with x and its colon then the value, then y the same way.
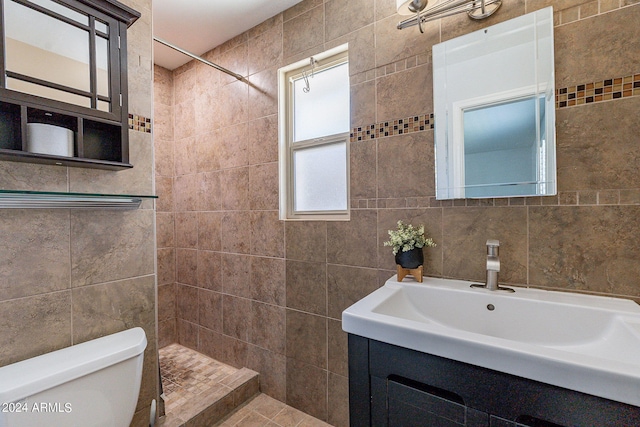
x: 603, y: 90
x: 588, y: 93
x: 624, y: 197
x: 139, y: 123
x: 587, y: 10
x: 392, y: 127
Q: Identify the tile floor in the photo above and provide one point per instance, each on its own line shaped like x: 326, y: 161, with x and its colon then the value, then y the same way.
x: 264, y: 411
x: 189, y: 377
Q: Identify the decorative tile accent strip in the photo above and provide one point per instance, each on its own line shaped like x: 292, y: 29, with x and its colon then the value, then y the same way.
x: 630, y: 196
x: 604, y: 90
x: 587, y: 10
x: 392, y: 127
x: 139, y: 123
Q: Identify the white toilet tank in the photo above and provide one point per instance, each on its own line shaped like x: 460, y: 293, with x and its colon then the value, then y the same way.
x: 95, y: 383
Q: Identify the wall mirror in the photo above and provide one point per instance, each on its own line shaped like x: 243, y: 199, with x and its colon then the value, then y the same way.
x: 494, y: 106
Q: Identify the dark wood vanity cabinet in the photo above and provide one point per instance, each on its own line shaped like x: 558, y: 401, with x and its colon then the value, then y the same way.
x: 64, y: 63
x: 397, y: 387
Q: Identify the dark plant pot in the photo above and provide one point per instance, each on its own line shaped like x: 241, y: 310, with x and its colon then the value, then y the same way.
x: 410, y: 259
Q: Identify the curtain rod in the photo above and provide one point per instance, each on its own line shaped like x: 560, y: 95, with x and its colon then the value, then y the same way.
x: 198, y: 58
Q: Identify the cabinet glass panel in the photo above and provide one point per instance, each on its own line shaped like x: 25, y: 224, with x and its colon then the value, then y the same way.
x: 47, y: 92
x: 56, y: 52
x: 34, y: 39
x: 102, y: 27
x: 104, y: 106
x: 80, y: 18
x: 102, y: 65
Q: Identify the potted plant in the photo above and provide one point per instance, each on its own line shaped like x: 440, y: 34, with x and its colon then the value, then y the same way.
x: 407, y: 243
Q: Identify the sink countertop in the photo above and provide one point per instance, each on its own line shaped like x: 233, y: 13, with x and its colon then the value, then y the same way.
x: 580, y: 342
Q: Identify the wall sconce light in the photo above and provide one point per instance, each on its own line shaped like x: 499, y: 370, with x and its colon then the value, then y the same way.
x: 429, y: 10
x: 412, y: 7
x: 409, y: 7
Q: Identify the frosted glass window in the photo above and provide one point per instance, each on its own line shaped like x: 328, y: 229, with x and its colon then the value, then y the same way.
x: 320, y: 175
x: 324, y: 108
x: 314, y: 109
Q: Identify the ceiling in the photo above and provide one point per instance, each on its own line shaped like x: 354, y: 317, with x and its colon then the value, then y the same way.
x: 200, y: 25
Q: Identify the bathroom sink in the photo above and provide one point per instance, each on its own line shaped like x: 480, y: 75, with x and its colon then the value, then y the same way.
x: 584, y: 343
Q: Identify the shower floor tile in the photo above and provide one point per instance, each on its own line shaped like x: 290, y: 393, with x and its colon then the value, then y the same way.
x: 186, y: 373
x: 194, y: 385
x: 192, y: 381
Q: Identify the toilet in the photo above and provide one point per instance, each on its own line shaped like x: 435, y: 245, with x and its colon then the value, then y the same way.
x: 92, y: 384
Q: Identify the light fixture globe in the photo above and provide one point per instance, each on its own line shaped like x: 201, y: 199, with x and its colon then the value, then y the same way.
x: 410, y: 7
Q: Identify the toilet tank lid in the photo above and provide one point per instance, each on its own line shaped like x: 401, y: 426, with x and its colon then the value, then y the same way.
x: 30, y: 376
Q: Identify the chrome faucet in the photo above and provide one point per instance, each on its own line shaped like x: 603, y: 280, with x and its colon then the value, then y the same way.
x: 493, y: 264
x: 493, y: 268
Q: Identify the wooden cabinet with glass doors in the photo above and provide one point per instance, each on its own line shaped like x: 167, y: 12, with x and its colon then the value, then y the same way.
x: 63, y: 67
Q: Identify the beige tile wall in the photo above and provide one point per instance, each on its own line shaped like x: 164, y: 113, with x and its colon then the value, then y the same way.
x: 69, y: 276
x: 165, y: 215
x: 253, y: 291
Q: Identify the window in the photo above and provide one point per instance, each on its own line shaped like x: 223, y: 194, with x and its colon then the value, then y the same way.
x: 315, y: 121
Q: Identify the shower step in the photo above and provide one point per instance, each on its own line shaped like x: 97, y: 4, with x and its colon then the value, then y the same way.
x: 199, y: 390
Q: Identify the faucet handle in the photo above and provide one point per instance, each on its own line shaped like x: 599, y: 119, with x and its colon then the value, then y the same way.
x: 493, y: 243
x: 492, y: 247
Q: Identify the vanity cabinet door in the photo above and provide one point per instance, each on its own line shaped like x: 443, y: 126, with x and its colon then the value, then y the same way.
x: 410, y: 406
x: 395, y: 386
x: 501, y: 422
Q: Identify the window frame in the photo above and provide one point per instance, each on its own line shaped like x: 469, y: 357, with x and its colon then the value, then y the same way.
x: 287, y: 147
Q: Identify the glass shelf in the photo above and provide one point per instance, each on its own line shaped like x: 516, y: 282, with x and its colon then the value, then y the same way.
x: 17, y: 199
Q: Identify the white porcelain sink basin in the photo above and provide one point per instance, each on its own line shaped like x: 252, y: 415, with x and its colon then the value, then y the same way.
x: 580, y: 342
